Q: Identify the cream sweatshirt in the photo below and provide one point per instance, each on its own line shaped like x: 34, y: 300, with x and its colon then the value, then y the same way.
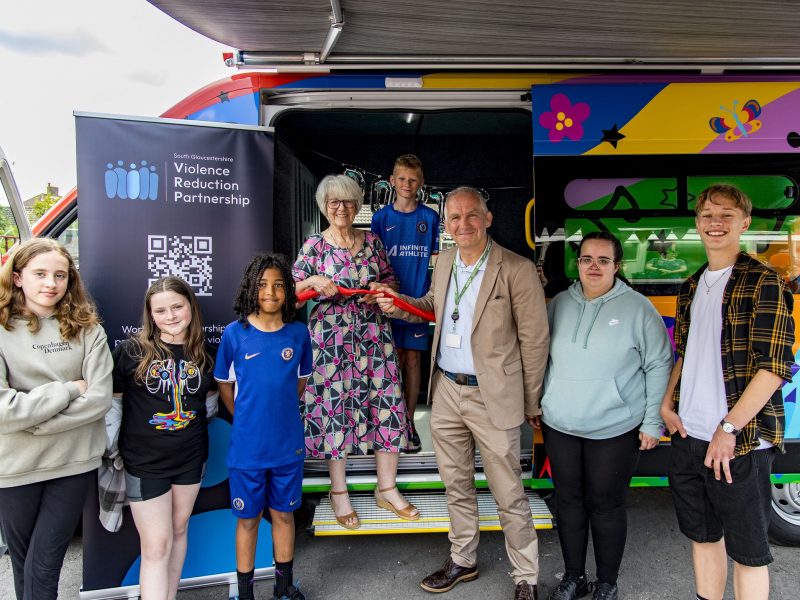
x: 47, y: 428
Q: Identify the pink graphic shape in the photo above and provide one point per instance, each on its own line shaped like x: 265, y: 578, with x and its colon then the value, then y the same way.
x: 564, y: 119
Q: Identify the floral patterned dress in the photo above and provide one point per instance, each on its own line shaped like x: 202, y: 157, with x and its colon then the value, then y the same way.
x: 353, y: 399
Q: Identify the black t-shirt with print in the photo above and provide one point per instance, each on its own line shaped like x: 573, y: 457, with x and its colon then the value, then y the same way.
x: 164, y: 431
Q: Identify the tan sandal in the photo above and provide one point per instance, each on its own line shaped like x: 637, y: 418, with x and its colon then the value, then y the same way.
x: 344, y: 519
x: 407, y: 513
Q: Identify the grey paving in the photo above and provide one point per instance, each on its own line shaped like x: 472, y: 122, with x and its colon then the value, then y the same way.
x: 656, y: 566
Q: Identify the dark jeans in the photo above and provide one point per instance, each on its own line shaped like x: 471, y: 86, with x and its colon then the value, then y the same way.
x: 591, y: 479
x: 38, y: 521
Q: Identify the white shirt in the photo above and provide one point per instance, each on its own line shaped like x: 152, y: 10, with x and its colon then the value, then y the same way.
x: 702, y: 401
x: 459, y: 360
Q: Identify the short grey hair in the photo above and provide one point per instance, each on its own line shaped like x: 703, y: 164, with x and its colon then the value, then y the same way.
x: 466, y: 189
x: 338, y: 187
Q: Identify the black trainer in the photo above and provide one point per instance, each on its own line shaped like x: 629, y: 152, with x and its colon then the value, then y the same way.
x: 605, y: 591
x: 292, y: 593
x: 571, y: 587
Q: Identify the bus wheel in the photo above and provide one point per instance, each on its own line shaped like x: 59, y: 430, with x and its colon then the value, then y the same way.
x: 784, y: 525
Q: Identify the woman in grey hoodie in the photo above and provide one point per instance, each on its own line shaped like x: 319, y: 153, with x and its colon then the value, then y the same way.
x: 610, y: 359
x: 55, y: 388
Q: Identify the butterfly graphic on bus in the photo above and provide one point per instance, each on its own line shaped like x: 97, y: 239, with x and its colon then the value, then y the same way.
x: 741, y: 122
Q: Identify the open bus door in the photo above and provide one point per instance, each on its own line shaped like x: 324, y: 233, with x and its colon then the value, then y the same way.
x: 14, y: 224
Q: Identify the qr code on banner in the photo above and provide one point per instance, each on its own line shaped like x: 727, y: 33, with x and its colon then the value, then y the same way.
x: 184, y: 256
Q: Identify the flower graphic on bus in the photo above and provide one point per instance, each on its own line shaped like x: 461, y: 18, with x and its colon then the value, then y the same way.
x: 564, y: 119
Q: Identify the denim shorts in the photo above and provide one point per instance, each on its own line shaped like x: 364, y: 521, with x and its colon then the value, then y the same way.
x: 709, y: 510
x: 139, y: 489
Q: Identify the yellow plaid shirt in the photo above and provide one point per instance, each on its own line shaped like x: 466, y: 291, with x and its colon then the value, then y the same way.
x: 757, y: 333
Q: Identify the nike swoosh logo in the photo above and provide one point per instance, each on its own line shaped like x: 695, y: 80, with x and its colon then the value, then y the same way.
x: 390, y: 228
x: 293, y: 502
x: 419, y: 335
x: 249, y: 356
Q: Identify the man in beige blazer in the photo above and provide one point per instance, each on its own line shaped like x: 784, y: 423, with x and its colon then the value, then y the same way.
x: 488, y: 358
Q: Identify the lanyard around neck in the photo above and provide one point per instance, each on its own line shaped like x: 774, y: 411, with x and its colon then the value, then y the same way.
x: 459, y: 293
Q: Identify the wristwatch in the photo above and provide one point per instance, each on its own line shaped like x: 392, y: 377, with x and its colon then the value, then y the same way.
x: 729, y: 427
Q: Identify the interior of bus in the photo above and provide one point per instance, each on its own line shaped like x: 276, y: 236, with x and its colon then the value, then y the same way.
x: 491, y: 150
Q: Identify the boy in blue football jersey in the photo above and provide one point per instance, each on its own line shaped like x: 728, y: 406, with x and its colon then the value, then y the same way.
x: 267, y: 355
x: 410, y: 232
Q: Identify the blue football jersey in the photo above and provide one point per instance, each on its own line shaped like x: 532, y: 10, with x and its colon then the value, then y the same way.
x: 267, y: 425
x: 410, y: 239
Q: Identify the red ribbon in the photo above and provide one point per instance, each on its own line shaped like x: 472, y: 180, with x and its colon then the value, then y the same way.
x: 398, y: 302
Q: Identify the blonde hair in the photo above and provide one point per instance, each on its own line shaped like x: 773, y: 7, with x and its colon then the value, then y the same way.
x: 338, y: 187
x: 75, y: 311
x: 409, y: 161
x: 731, y: 192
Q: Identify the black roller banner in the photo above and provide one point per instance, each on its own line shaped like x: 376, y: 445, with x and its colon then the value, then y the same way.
x: 156, y: 198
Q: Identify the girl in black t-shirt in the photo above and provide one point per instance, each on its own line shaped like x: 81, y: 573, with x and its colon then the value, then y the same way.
x: 164, y: 377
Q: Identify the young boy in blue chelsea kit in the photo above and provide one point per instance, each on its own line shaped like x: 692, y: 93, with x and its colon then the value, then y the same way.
x: 267, y: 355
x: 410, y: 232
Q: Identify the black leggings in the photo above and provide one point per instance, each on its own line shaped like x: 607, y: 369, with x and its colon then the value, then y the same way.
x: 591, y: 479
x: 38, y: 521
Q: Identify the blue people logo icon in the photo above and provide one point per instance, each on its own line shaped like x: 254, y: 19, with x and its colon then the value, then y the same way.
x: 131, y: 181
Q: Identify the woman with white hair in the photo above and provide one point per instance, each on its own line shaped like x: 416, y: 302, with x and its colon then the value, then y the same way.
x: 353, y: 400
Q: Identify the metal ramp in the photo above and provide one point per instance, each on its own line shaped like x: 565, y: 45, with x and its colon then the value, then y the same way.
x: 432, y: 506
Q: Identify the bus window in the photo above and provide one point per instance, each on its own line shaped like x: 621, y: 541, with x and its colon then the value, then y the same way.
x: 654, y: 218
x: 69, y: 239
x: 9, y: 233
x: 621, y: 194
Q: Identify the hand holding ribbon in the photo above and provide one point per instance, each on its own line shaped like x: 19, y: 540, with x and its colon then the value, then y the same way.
x: 399, y: 302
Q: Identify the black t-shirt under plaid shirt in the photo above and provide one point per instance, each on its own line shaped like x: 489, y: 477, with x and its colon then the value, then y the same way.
x: 757, y: 333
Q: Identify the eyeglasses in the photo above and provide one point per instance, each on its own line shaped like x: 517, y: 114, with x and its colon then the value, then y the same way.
x: 601, y: 262
x: 337, y: 203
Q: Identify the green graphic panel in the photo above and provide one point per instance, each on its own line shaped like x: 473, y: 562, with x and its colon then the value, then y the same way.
x: 765, y: 191
x: 622, y: 194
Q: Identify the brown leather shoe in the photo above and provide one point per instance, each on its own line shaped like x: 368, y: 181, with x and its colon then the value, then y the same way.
x: 448, y: 575
x: 526, y: 591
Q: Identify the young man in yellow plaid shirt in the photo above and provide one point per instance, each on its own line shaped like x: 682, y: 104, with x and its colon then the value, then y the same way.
x: 723, y: 405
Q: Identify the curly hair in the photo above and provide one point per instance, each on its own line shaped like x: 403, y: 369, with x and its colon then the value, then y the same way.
x: 246, y: 301
x: 75, y: 311
x: 148, y: 341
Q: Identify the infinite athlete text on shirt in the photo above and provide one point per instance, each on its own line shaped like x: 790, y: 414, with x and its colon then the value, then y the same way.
x: 419, y: 250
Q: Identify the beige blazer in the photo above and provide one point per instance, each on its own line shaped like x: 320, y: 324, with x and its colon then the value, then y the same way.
x: 510, y: 335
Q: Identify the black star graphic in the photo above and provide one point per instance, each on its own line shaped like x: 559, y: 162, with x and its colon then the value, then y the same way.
x: 223, y: 97
x: 669, y: 197
x: 612, y: 136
